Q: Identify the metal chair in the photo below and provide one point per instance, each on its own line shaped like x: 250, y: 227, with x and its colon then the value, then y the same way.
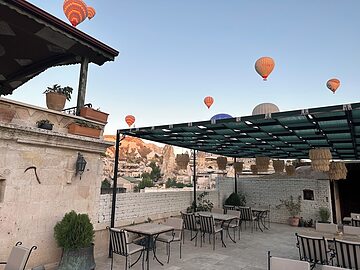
x: 313, y: 250
x: 355, y: 222
x: 19, y: 257
x: 276, y: 263
x: 120, y: 245
x: 234, y: 223
x: 207, y: 225
x: 175, y: 236
x: 347, y: 254
x: 228, y: 207
x: 190, y: 224
x: 246, y: 215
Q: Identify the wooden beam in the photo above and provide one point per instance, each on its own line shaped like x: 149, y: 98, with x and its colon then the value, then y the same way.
x: 82, y: 84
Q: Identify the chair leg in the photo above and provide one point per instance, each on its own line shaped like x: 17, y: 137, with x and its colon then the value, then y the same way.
x: 180, y: 249
x: 143, y: 259
x: 126, y: 262
x: 112, y: 261
x: 213, y: 241
x: 168, y: 246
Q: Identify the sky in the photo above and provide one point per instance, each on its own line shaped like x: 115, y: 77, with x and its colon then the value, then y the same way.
x: 173, y: 53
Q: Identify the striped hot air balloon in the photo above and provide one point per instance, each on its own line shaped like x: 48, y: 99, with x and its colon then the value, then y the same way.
x: 91, y: 12
x: 333, y: 84
x: 208, y: 101
x: 130, y: 119
x: 76, y: 11
x: 264, y: 66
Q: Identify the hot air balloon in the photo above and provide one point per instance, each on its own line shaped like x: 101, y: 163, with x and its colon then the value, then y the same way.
x: 265, y: 108
x: 333, y: 84
x: 264, y: 66
x: 220, y: 116
x: 130, y: 119
x: 208, y: 101
x: 91, y: 12
x: 75, y: 10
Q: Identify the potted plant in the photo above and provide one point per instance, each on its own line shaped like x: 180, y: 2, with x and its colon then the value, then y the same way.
x: 294, y: 208
x: 324, y: 214
x: 44, y: 124
x: 56, y: 96
x: 203, y: 204
x: 75, y: 235
x: 236, y: 199
x: 94, y: 114
x: 84, y: 128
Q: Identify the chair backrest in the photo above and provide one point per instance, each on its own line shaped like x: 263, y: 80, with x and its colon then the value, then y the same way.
x: 355, y: 215
x: 119, y: 240
x: 355, y: 222
x: 347, y: 254
x: 245, y: 213
x: 207, y: 224
x: 177, y: 224
x: 18, y: 257
x: 217, y: 210
x: 312, y: 249
x: 351, y: 230
x: 326, y: 227
x: 189, y: 220
x: 287, y: 264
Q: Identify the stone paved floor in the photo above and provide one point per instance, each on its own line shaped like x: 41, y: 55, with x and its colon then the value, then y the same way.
x: 249, y: 253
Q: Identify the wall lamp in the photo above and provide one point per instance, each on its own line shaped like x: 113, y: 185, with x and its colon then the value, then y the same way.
x: 80, y: 165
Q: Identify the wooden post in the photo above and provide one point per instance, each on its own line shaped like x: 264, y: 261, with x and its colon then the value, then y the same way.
x: 82, y: 84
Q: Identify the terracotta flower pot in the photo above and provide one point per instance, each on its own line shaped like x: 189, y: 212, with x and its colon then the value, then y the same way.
x: 73, y: 128
x: 294, y: 221
x: 55, y: 101
x: 95, y: 115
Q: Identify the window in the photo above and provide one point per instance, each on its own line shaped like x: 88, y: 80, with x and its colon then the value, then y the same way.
x: 308, y: 194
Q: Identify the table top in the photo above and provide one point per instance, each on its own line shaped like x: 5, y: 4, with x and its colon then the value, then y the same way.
x: 149, y: 228
x: 217, y: 216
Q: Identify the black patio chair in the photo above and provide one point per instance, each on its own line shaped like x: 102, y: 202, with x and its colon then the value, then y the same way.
x: 355, y: 222
x: 190, y: 224
x: 314, y: 250
x: 19, y: 257
x: 121, y: 245
x: 347, y: 254
x: 207, y: 226
x: 246, y: 215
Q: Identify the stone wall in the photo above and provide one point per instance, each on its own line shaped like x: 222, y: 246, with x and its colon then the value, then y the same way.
x: 32, y: 201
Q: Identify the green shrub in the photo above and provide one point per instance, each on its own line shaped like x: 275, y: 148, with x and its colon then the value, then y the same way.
x: 324, y: 214
x: 294, y: 207
x: 203, y: 204
x: 237, y: 199
x: 74, y: 231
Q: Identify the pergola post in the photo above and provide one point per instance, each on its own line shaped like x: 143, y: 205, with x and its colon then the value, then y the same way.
x: 116, y: 169
x: 82, y: 84
x: 194, y: 177
x: 236, y: 190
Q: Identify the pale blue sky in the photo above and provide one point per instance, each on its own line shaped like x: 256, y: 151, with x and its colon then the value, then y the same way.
x: 173, y: 53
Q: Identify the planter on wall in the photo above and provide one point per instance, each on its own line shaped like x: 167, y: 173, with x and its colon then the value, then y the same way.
x: 95, y: 115
x: 73, y: 128
x: 55, y: 101
x: 6, y: 115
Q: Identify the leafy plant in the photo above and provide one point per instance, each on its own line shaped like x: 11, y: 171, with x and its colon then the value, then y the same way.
x: 66, y: 91
x: 105, y: 184
x: 74, y: 231
x: 324, y: 214
x: 43, y: 121
x: 237, y: 199
x: 294, y: 207
x: 203, y: 204
x: 83, y: 123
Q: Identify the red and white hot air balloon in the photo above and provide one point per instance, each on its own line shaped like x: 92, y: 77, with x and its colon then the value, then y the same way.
x: 76, y: 11
x: 264, y: 66
x: 333, y: 84
x: 91, y: 12
x: 130, y: 119
x: 208, y: 101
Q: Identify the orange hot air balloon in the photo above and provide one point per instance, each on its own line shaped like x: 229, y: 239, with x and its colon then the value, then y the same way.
x: 333, y: 84
x: 264, y: 66
x: 208, y: 101
x: 91, y: 12
x: 76, y: 11
x: 130, y: 119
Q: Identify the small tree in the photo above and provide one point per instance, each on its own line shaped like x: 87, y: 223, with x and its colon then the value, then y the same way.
x: 237, y: 199
x: 293, y: 207
x: 203, y: 204
x: 324, y: 214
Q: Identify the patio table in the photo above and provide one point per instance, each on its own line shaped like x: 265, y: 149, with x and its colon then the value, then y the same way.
x: 221, y: 217
x: 151, y: 231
